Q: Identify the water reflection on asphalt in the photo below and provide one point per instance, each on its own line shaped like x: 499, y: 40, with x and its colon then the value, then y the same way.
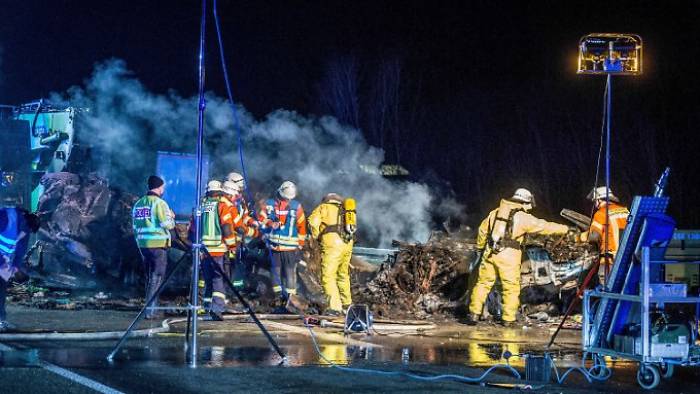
x: 300, y: 352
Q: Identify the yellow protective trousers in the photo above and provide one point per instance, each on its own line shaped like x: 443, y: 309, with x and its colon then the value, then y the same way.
x: 506, y: 266
x: 335, y: 271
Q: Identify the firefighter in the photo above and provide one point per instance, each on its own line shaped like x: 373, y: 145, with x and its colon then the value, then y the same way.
x: 239, y: 272
x: 237, y: 179
x: 15, y: 226
x: 499, y: 240
x: 222, y: 223
x: 152, y: 222
x: 210, y: 233
x: 284, y: 224
x: 329, y: 224
x: 596, y: 234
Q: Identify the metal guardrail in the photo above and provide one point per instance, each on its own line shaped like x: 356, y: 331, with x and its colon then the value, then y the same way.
x: 374, y: 255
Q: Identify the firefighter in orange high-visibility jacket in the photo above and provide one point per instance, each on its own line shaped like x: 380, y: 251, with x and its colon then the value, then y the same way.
x: 152, y: 222
x: 222, y: 227
x: 499, y: 240
x: 597, y: 233
x: 284, y: 225
x: 334, y: 224
x: 240, y: 271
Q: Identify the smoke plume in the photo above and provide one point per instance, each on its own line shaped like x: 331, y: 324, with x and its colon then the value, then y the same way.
x: 127, y: 124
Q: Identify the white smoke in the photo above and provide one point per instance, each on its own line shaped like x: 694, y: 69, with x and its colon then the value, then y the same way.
x: 128, y: 124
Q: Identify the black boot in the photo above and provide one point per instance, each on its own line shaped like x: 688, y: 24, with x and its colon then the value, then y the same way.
x: 216, y: 316
x: 280, y: 307
x: 508, y: 324
x: 471, y: 320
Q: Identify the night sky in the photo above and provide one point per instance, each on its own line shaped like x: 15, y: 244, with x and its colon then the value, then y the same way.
x: 491, y: 74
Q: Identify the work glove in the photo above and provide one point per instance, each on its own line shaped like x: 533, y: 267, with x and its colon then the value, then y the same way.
x: 583, y: 237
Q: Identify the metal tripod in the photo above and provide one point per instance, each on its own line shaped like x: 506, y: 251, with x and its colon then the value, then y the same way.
x: 154, y: 297
x: 192, y: 312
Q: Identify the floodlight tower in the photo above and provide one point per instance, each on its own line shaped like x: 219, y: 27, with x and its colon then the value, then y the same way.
x: 197, y: 244
x: 609, y: 54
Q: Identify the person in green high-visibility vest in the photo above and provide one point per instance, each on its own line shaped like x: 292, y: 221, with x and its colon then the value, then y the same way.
x: 211, y: 235
x: 152, y: 222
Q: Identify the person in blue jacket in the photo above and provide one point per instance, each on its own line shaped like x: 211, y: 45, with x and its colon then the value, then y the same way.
x: 15, y: 226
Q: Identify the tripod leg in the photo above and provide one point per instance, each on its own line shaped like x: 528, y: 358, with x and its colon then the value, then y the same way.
x: 155, y: 295
x: 189, y: 322
x: 245, y: 304
x: 575, y: 301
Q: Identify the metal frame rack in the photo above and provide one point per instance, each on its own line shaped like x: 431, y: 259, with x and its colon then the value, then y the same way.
x: 651, y: 368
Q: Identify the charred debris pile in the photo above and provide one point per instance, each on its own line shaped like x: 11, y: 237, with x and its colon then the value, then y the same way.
x: 432, y: 279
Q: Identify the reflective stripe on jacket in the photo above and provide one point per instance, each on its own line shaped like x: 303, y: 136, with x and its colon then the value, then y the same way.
x: 243, y: 222
x: 9, y: 235
x: 152, y: 222
x: 211, y: 226
x: 618, y: 222
x: 233, y: 224
x: 228, y: 214
x: 291, y: 233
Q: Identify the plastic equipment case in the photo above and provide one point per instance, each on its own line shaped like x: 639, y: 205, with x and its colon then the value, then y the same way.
x: 624, y: 322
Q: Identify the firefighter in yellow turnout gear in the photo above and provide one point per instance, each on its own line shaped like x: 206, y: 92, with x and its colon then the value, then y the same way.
x: 334, y: 224
x: 500, y: 237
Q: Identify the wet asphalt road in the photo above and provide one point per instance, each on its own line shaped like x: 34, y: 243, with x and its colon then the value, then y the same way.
x: 234, y: 357
x: 160, y: 368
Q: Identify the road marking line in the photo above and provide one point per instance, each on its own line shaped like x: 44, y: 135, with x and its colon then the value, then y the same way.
x: 72, y: 376
x: 80, y: 379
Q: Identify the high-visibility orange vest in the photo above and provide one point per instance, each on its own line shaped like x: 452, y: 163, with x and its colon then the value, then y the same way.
x: 618, y: 222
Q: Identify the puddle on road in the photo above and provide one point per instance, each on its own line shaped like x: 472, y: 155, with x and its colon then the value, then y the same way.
x: 300, y: 352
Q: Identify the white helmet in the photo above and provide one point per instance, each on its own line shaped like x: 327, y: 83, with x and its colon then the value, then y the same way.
x: 332, y: 197
x: 523, y: 196
x: 236, y: 178
x: 287, y: 190
x: 214, y: 186
x: 598, y: 193
x: 230, y: 188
